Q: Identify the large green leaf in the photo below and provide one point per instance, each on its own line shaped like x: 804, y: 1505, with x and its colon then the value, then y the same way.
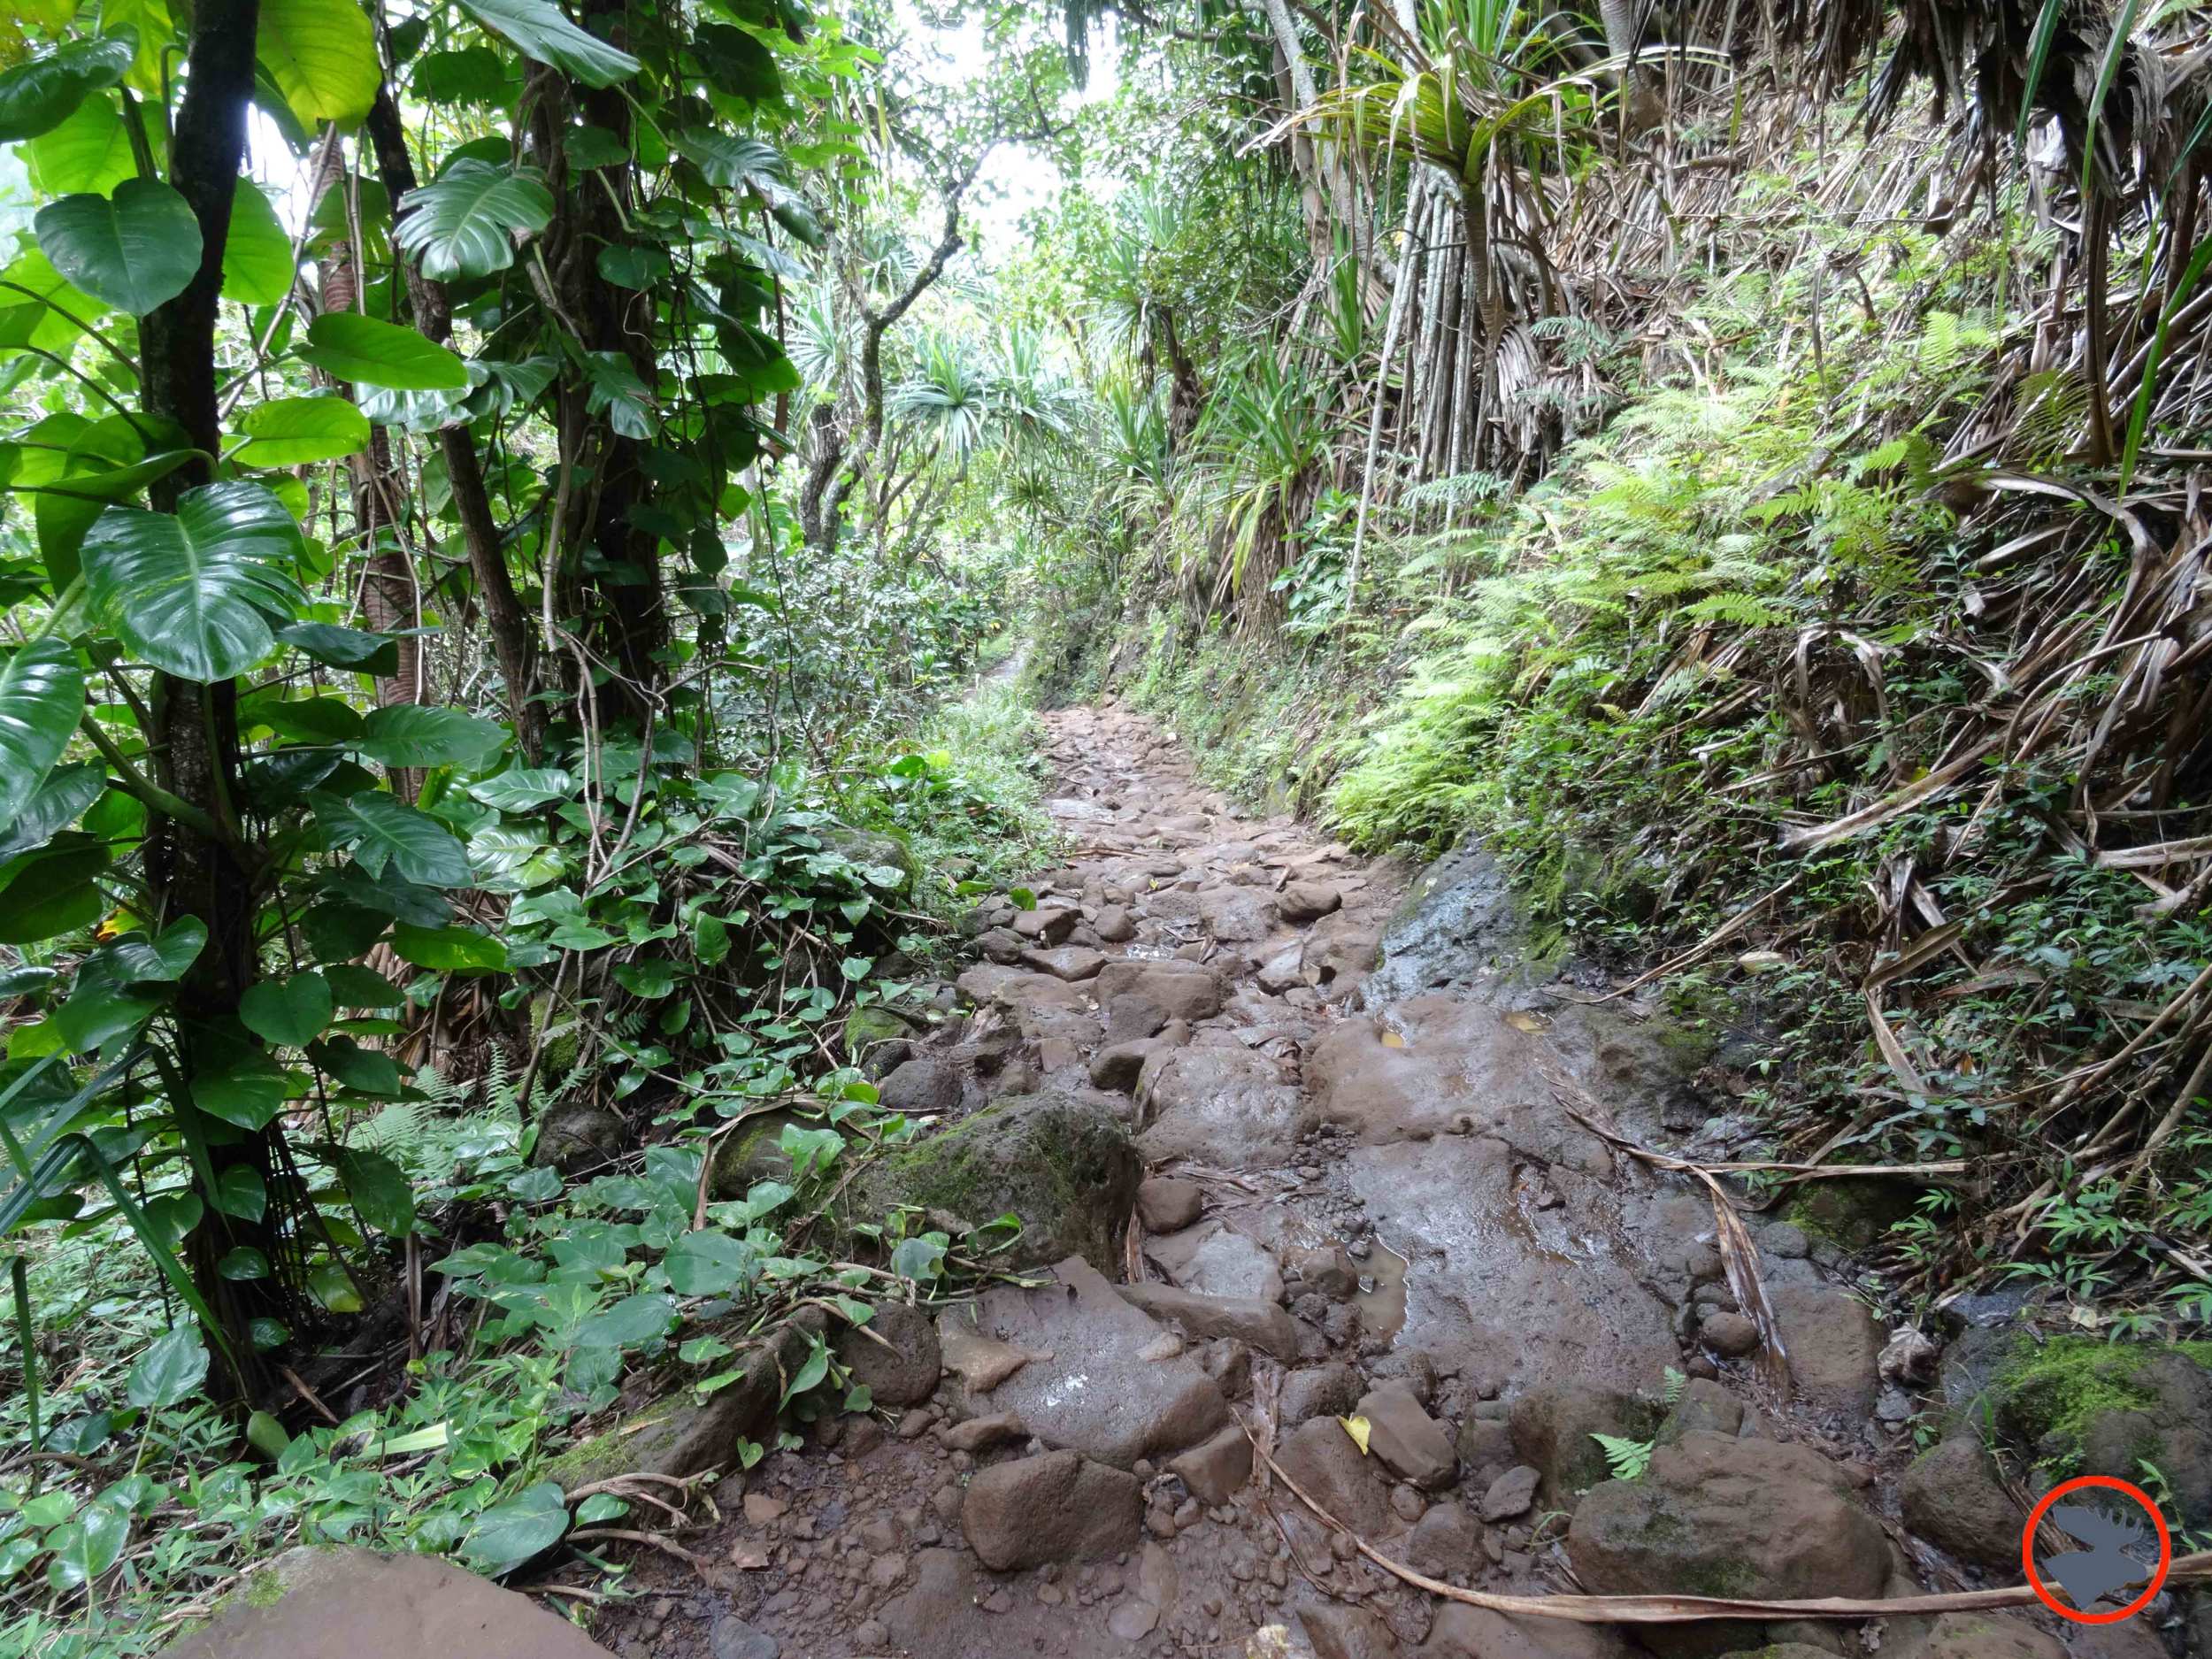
x: 344, y: 648
x: 169, y: 1372
x: 69, y: 505
x: 188, y: 593
x: 410, y: 734
x: 41, y: 695
x: 297, y: 431
x: 736, y: 62
x: 465, y: 224
x: 508, y: 1534
x: 290, y: 1013
x: 448, y: 949
x: 321, y: 56
x: 524, y: 790
x: 49, y: 809
x: 90, y: 151
x: 415, y: 844
x: 52, y: 891
x: 350, y: 347
x: 257, y: 264
x: 134, y: 248
x: 379, y: 1189
x: 733, y: 163
x: 39, y: 95
x: 39, y: 308
x: 540, y: 33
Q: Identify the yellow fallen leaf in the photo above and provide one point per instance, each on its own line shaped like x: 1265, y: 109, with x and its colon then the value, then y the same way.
x: 1358, y: 1429
x: 1527, y: 1022
x: 1392, y: 1040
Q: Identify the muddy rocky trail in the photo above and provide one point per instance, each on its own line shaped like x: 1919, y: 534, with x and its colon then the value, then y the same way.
x: 1270, y: 1184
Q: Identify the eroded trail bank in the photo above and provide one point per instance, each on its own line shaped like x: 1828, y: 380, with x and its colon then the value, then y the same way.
x: 1262, y: 1178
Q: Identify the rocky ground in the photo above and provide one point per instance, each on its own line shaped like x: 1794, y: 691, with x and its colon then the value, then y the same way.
x: 1267, y: 1185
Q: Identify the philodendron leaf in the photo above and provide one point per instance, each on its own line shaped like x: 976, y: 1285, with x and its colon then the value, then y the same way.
x: 297, y: 431
x: 135, y: 249
x: 39, y: 95
x: 41, y: 695
x: 508, y: 1534
x: 466, y: 223
x: 365, y: 352
x: 321, y: 56
x: 191, y: 592
x: 537, y: 29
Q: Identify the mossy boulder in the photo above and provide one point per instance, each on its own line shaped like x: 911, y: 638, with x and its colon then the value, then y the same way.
x: 867, y: 1029
x: 873, y: 849
x: 2087, y: 1407
x: 1065, y: 1165
x: 1855, y: 1213
x: 752, y: 1152
x: 1718, y: 1515
x: 576, y: 1135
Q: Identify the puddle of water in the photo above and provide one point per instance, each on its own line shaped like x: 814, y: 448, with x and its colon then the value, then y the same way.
x: 1381, y: 1300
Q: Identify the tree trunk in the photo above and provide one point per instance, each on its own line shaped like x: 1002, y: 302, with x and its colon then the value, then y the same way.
x: 194, y: 739
x: 508, y: 623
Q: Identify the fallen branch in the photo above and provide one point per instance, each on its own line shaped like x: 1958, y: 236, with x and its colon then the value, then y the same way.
x: 1684, y: 1609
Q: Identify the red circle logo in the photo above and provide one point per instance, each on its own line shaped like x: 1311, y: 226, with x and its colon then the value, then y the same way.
x: 2110, y: 1483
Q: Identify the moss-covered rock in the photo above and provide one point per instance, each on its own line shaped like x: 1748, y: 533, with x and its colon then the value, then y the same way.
x: 873, y: 849
x: 866, y: 1028
x: 749, y: 1153
x: 1854, y: 1213
x: 1065, y: 1165
x: 2087, y: 1407
x: 574, y: 1134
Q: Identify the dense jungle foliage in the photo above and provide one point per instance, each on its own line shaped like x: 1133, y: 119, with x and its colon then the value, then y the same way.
x: 517, y: 519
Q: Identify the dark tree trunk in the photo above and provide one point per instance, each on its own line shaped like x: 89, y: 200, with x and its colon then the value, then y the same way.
x: 194, y: 739
x: 508, y: 623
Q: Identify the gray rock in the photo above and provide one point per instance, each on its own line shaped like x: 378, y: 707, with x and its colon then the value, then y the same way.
x: 1476, y: 1632
x: 1984, y: 1636
x: 921, y: 1087
x: 1446, y: 1540
x: 1730, y: 1335
x: 576, y: 1135
x: 1094, y: 1383
x: 1057, y: 1506
x: 1704, y: 1404
x: 731, y: 1637
x: 1511, y: 1494
x: 1322, y: 1391
x: 1215, y: 1260
x: 1551, y: 1427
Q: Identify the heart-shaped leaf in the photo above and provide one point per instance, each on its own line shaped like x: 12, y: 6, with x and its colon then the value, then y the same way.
x: 413, y: 735
x: 290, y: 1011
x: 170, y: 1369
x: 465, y: 224
x: 257, y: 263
x: 39, y: 95
x: 190, y: 593
x: 297, y: 431
x: 135, y: 249
x: 41, y: 695
x: 321, y: 56
x: 412, y: 843
x: 363, y: 351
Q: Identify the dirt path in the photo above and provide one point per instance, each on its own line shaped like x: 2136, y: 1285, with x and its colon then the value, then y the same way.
x: 1363, y: 1195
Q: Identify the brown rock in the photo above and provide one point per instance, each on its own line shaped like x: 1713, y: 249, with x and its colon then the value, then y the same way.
x: 1445, y: 1540
x: 1986, y: 1636
x: 1730, y: 1335
x: 981, y: 1433
x: 896, y: 1355
x: 1166, y: 1203
x: 921, y: 1087
x: 1951, y: 1497
x: 1058, y: 1507
x: 1182, y: 990
x: 1476, y: 1632
x: 1406, y: 1440
x: 1337, y: 1630
x: 1261, y: 1325
x: 1218, y: 1468
x: 1321, y: 1459
x: 1303, y: 901
x: 319, y: 1603
x: 1330, y: 1390
x: 1049, y: 926
x: 1119, y: 1066
x: 1834, y: 1344
x: 1114, y: 925
x: 1071, y: 963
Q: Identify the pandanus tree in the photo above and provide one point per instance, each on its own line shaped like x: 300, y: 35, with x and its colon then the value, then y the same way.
x: 528, y: 308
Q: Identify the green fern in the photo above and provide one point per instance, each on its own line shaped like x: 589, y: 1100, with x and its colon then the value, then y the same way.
x: 1627, y: 1459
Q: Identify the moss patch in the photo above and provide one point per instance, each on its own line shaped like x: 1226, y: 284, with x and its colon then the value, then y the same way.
x: 2052, y: 1391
